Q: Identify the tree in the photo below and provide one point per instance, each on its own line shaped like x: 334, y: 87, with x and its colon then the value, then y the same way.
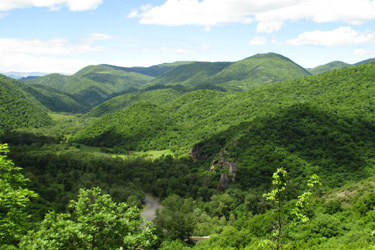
x: 93, y: 222
x: 277, y: 194
x: 176, y: 217
x: 13, y: 199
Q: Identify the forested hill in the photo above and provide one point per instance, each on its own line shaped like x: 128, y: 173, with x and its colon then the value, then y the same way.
x: 18, y: 108
x: 94, y: 83
x: 238, y: 76
x: 56, y: 100
x: 304, y: 123
x: 328, y: 67
x: 155, y: 71
x: 156, y: 97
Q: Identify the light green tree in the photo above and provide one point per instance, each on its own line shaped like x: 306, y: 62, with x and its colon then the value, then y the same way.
x: 13, y: 199
x: 276, y: 195
x: 94, y: 222
x: 279, y: 183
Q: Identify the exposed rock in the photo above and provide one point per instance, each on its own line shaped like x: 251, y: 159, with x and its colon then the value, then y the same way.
x: 196, y: 155
x: 222, y: 163
x: 224, y: 182
x: 225, y: 178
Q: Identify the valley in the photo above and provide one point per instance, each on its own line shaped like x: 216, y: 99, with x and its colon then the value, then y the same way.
x: 206, y: 138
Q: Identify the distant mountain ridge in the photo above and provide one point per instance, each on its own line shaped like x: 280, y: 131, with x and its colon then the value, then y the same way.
x: 95, y: 84
x: 20, y: 75
x: 232, y: 76
x: 328, y: 67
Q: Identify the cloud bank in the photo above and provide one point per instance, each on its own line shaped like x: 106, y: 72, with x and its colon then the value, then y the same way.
x: 270, y: 15
x: 73, y: 5
x: 43, y: 55
x: 338, y: 37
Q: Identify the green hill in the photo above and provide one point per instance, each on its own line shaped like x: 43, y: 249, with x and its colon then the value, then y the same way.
x: 190, y: 74
x: 18, y: 108
x: 328, y: 67
x: 365, y: 61
x: 155, y: 71
x: 55, y: 81
x: 238, y: 76
x: 94, y: 83
x: 272, y: 126
x: 56, y: 100
x: 156, y: 97
x: 257, y: 70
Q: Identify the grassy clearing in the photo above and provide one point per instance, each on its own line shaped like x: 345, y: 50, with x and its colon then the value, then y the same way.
x: 61, y: 117
x: 151, y: 154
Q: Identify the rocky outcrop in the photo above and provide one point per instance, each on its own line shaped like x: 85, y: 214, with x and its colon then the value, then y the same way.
x: 196, y: 155
x: 225, y: 178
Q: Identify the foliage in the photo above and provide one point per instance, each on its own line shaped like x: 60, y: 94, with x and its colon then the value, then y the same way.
x: 155, y: 97
x: 94, y: 222
x: 279, y: 182
x: 319, y: 124
x: 18, y: 108
x: 304, y: 199
x: 55, y: 100
x: 176, y: 217
x: 13, y: 198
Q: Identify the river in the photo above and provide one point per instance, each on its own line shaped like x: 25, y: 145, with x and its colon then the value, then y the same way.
x: 152, y: 203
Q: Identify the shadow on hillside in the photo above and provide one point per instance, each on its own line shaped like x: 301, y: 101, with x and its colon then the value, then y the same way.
x: 304, y: 140
x: 25, y: 138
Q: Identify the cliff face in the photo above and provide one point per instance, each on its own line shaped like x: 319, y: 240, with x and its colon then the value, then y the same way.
x: 196, y: 155
x: 225, y: 178
x: 217, y: 164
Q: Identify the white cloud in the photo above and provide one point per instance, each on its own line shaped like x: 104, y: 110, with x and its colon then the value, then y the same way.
x: 95, y: 37
x: 364, y: 52
x: 182, y: 12
x: 338, y: 37
x: 259, y: 40
x: 73, y: 5
x: 269, y: 26
x: 43, y: 55
x: 270, y: 14
x: 56, y: 46
x: 30, y: 63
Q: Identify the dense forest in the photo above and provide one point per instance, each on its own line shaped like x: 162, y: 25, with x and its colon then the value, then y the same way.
x: 254, y: 154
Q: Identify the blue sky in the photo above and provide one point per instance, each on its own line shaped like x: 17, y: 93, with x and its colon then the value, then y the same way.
x: 66, y: 35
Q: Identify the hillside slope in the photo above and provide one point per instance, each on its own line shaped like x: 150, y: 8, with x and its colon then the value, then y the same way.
x: 277, y: 125
x: 56, y: 100
x: 228, y: 76
x: 190, y: 74
x: 155, y: 97
x: 18, y: 108
x: 155, y: 70
x: 328, y: 67
x: 257, y: 70
x: 94, y: 83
